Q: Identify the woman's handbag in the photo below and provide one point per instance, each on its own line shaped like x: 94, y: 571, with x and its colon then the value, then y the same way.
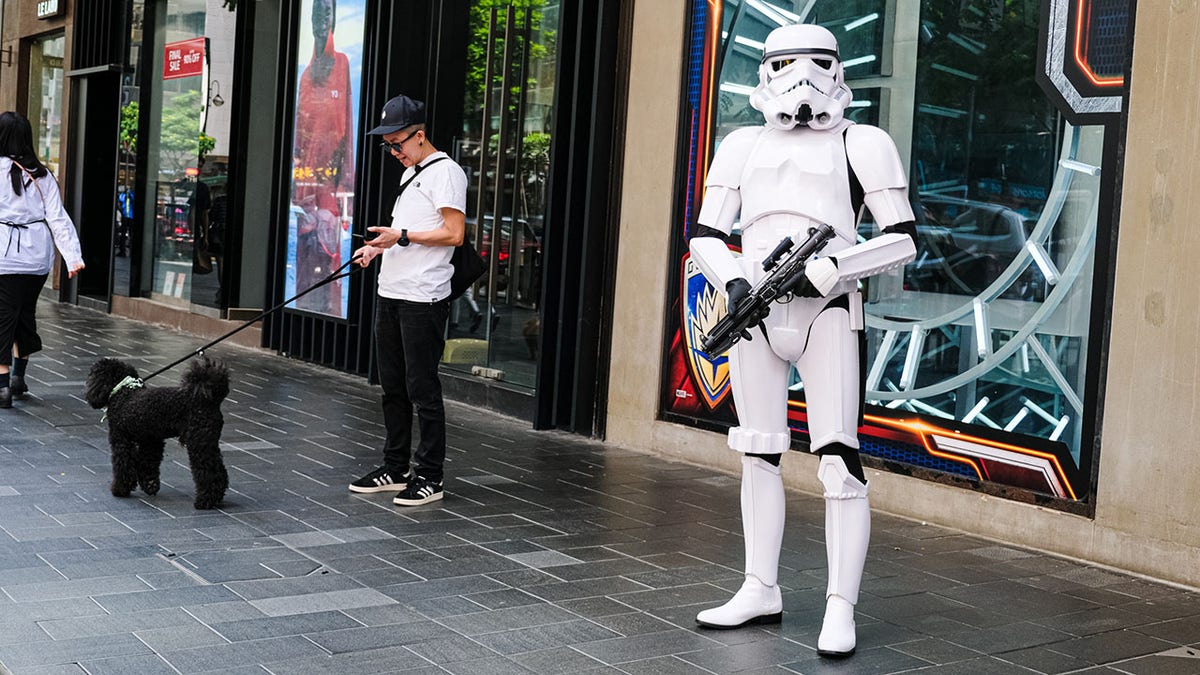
x: 468, y: 267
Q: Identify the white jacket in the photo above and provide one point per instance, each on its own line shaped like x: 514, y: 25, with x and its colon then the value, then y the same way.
x: 26, y: 242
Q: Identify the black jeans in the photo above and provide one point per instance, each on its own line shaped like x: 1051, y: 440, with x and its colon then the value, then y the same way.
x: 18, y: 300
x: 409, y: 339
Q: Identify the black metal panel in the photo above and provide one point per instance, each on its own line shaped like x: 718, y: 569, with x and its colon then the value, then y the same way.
x: 582, y: 223
x: 100, y: 32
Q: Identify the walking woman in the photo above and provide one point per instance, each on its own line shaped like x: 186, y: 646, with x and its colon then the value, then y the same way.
x: 32, y: 222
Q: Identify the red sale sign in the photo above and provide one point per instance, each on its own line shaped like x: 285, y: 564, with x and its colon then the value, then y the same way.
x: 183, y: 59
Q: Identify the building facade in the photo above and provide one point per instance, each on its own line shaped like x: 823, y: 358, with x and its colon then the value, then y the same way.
x: 218, y: 166
x: 1029, y: 376
x: 1021, y: 371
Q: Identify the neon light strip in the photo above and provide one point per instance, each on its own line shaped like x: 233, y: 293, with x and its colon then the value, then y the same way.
x: 1080, y: 60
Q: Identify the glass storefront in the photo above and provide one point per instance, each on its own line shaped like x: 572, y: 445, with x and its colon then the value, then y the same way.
x: 504, y: 147
x: 188, y: 150
x: 46, y: 97
x: 978, y: 350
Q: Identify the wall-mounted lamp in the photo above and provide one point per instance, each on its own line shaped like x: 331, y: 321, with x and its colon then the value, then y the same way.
x: 215, y: 97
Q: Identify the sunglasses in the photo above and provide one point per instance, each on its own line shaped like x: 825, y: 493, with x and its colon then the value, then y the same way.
x: 398, y: 145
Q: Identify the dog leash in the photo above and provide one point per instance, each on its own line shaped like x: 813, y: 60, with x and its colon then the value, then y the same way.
x: 333, y: 276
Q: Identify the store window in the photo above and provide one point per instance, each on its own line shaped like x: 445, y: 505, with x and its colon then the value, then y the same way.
x: 127, y: 148
x: 46, y: 96
x: 504, y: 147
x: 978, y: 351
x: 188, y: 150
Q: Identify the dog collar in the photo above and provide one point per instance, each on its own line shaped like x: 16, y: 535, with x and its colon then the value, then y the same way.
x: 129, y: 382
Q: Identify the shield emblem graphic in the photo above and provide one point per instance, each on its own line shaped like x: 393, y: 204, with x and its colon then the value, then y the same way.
x: 702, y: 308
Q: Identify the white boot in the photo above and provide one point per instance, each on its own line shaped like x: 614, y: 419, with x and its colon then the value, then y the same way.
x: 847, y: 533
x: 759, y: 599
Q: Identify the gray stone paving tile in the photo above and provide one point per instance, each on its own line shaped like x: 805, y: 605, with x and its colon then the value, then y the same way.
x: 16, y: 657
x: 936, y: 650
x: 111, y: 624
x: 1112, y: 646
x: 224, y: 657
x: 13, y: 632
x: 450, y: 649
x: 299, y: 624
x: 557, y: 661
x: 319, y: 602
x: 388, y: 660
x: 480, y: 623
x: 573, y: 633
x: 496, y: 665
x: 1173, y: 662
x: 639, y: 647
x: 173, y: 597
x: 78, y: 588
x: 376, y: 637
x: 542, y: 559
x: 438, y: 608
x: 148, y: 664
x: 1043, y: 660
x: 49, y: 610
x: 383, y: 615
x: 503, y: 599
x: 278, y: 588
x: 186, y: 636
x: 61, y: 669
x: 21, y: 576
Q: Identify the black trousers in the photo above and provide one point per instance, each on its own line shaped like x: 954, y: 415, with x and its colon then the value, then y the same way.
x: 18, y: 301
x: 409, y: 339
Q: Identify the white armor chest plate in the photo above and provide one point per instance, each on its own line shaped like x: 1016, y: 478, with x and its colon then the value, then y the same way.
x: 793, y: 180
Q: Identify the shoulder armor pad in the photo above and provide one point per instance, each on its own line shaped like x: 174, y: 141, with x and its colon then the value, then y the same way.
x: 730, y: 158
x: 872, y: 154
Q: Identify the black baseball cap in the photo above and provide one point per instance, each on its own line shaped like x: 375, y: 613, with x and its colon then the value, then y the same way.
x: 398, y: 113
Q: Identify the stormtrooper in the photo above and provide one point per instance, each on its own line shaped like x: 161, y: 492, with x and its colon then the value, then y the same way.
x: 806, y: 166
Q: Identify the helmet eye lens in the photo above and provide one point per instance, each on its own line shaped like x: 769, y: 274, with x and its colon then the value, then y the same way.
x: 823, y: 64
x: 781, y: 64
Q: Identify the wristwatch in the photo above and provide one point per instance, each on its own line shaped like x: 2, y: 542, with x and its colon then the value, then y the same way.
x: 404, y: 237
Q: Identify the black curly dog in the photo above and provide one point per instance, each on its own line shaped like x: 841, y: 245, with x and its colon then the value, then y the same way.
x: 140, y: 419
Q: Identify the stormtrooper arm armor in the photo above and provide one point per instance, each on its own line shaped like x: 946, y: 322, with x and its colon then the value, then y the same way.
x: 875, y: 162
x: 720, y: 208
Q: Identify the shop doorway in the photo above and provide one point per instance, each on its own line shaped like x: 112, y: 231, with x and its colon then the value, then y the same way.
x: 504, y: 147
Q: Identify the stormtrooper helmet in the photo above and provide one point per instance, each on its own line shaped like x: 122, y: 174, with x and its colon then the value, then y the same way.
x: 801, y: 80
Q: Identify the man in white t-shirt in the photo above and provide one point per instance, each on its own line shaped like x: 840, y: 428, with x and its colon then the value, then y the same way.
x: 428, y: 221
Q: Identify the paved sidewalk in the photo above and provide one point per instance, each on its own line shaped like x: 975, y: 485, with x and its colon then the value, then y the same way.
x: 551, y: 553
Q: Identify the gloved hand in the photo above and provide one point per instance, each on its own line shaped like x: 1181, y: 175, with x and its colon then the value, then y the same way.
x: 736, y: 291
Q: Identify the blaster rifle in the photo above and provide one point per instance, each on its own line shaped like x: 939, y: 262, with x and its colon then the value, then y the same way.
x: 782, y: 276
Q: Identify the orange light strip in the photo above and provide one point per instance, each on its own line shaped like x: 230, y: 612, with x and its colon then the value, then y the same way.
x: 1080, y: 60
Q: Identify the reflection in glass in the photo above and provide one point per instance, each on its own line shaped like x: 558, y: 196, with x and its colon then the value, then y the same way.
x: 188, y: 152
x: 46, y: 97
x: 505, y: 150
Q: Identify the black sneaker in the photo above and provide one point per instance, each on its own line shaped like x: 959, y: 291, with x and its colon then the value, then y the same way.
x: 18, y: 386
x: 419, y: 491
x: 379, y: 480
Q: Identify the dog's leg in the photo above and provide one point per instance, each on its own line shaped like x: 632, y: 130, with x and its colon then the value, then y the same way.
x: 124, y: 464
x: 149, y: 460
x: 208, y: 472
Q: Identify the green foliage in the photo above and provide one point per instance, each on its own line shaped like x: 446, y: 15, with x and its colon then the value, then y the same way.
x: 541, y: 46
x: 535, y: 148
x: 182, y: 143
x: 129, y: 127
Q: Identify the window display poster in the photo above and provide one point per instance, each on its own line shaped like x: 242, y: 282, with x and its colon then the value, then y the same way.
x: 329, y: 70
